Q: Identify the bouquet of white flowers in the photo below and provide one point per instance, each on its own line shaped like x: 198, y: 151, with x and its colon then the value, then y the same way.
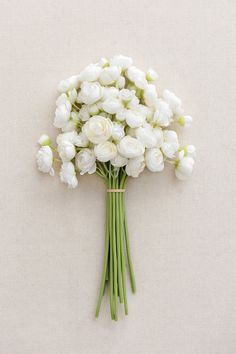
x: 114, y: 123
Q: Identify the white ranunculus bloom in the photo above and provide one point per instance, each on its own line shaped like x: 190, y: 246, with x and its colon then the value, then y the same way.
x: 137, y: 76
x: 163, y: 114
x: 61, y: 99
x: 133, y: 104
x: 126, y: 95
x: 69, y: 127
x: 130, y: 147
x: 62, y: 115
x: 170, y: 144
x: 120, y: 83
x: 184, y: 168
x: 150, y: 95
x: 81, y: 140
x: 90, y: 73
x: 146, y: 136
x: 173, y: 101
x: 84, y: 113
x: 103, y: 62
x: 69, y: 84
x: 119, y: 161
x: 105, y: 151
x: 121, y: 115
x: 98, y: 129
x: 151, y: 75
x: 117, y: 131
x: 69, y: 136
x: 44, y: 160
x: 44, y: 140
x: 66, y: 151
x: 93, y: 109
x: 185, y: 121
x: 72, y: 96
x: 154, y: 160
x: 188, y: 150
x: 147, y: 112
x: 135, y: 166
x: 90, y: 92
x: 110, y: 92
x: 112, y: 105
x: 85, y: 161
x: 121, y: 61
x: 109, y: 75
x: 159, y: 135
x: 68, y: 175
x: 134, y: 119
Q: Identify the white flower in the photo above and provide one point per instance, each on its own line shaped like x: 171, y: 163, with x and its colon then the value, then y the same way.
x: 81, y: 140
x: 126, y: 95
x: 105, y: 151
x: 103, y: 62
x: 146, y: 135
x: 44, y: 160
x: 151, y: 75
x: 119, y: 161
x: 121, y: 61
x: 135, y: 166
x: 90, y: 73
x: 98, y: 129
x: 72, y: 96
x: 69, y: 136
x: 130, y: 147
x: 68, y: 84
x: 62, y: 114
x: 112, y: 105
x: 90, y: 92
x: 117, y: 131
x: 68, y: 175
x: 147, y: 112
x: 121, y: 115
x: 150, y: 95
x: 134, y: 119
x: 109, y: 75
x: 110, y: 92
x: 188, y: 150
x: 93, y: 109
x: 185, y: 121
x: 133, y: 103
x: 171, y: 144
x: 137, y: 76
x: 69, y: 127
x: 85, y: 161
x: 159, y: 135
x: 84, y: 113
x: 66, y: 151
x: 61, y: 99
x: 44, y: 140
x: 120, y: 83
x: 163, y: 114
x: 184, y: 168
x: 154, y: 160
x: 173, y: 101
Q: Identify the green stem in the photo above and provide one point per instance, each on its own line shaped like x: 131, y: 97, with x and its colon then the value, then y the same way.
x: 127, y: 242
x: 116, y: 242
x: 114, y: 221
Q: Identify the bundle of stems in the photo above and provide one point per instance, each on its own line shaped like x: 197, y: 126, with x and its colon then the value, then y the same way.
x: 117, y: 245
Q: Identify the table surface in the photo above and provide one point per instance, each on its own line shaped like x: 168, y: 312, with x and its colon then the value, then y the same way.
x: 183, y: 235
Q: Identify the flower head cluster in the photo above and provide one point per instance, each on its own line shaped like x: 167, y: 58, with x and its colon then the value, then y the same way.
x: 111, y: 113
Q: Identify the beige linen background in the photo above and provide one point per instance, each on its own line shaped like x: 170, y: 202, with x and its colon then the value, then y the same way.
x: 182, y: 234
